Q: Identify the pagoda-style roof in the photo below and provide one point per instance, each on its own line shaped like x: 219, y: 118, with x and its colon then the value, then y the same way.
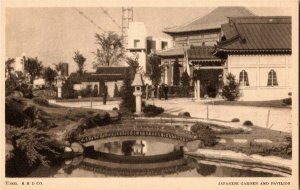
x: 212, y: 20
x: 256, y: 34
x: 172, y: 52
x: 202, y: 53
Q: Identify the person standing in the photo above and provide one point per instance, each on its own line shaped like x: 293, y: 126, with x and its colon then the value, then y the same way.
x: 104, y: 94
x: 147, y: 91
x: 152, y: 92
x: 160, y: 91
x: 166, y: 89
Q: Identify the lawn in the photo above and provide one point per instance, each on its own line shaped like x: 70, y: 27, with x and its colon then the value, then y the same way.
x: 269, y: 103
x: 278, y: 147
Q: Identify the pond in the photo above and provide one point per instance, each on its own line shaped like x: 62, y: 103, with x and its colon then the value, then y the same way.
x: 142, y: 158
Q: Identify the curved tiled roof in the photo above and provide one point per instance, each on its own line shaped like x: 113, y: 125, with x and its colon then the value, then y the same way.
x: 172, y: 52
x: 202, y: 52
x: 212, y: 20
x: 256, y: 34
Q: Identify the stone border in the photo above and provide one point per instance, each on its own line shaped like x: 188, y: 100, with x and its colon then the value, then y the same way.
x: 267, y: 162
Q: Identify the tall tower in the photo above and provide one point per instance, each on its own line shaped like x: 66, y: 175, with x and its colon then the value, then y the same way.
x: 127, y: 16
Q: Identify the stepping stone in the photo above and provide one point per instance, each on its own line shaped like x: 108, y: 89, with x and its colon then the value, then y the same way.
x: 222, y: 141
x: 262, y: 141
x: 68, y: 149
x: 240, y: 140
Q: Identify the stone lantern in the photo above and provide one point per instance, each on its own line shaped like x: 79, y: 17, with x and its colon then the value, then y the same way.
x: 138, y: 83
x: 59, y: 84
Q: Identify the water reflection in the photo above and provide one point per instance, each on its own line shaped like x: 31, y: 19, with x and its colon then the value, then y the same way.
x: 136, y: 148
x: 138, y: 158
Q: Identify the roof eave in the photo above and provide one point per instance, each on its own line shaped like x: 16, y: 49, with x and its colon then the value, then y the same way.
x: 267, y: 51
x: 190, y: 31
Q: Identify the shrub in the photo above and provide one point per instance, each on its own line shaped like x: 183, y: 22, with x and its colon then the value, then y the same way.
x: 287, y: 101
x: 184, y: 114
x: 115, y: 109
x: 14, y: 114
x: 87, y: 92
x: 277, y: 149
x: 151, y: 110
x: 97, y: 119
x: 40, y: 101
x: 26, y: 90
x: 34, y: 144
x: 68, y: 91
x: 95, y: 91
x: 230, y: 131
x: 206, y: 170
x: 205, y: 134
x: 235, y: 120
x: 231, y: 91
x: 248, y: 123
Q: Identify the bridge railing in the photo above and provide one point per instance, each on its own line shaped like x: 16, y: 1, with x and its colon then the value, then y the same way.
x: 141, y: 130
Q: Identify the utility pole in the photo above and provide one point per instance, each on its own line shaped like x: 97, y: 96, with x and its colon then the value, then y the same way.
x: 127, y: 16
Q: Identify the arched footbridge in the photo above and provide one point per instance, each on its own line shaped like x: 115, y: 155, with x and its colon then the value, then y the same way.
x: 172, y: 133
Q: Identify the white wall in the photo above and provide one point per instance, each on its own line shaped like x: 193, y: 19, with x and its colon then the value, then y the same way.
x: 83, y: 85
x: 111, y: 87
x: 137, y: 31
x: 257, y: 68
x: 18, y: 65
x: 77, y: 86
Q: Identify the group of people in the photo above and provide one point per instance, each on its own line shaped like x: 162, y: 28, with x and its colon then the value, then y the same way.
x: 163, y: 90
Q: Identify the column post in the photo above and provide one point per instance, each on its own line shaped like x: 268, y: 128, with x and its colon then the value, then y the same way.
x: 195, y: 89
x: 198, y: 89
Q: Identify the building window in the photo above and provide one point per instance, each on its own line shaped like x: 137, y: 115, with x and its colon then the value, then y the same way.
x: 244, y: 78
x: 164, y: 45
x: 136, y: 43
x: 272, y: 78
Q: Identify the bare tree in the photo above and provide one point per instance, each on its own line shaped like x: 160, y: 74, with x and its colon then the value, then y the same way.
x: 80, y: 60
x: 111, y: 51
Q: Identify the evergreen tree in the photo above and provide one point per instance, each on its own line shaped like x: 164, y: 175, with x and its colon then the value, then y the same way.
x: 128, y: 99
x: 230, y: 91
x: 185, y: 82
x: 154, y: 62
x: 176, y: 73
x: 49, y: 75
x: 185, y: 79
x: 34, y: 67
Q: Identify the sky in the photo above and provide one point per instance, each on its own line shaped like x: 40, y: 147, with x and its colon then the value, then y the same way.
x: 54, y: 34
